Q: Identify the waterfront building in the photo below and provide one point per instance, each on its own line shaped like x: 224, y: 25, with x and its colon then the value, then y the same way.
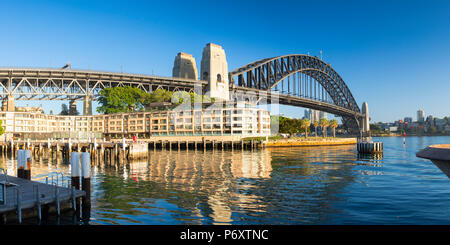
x: 408, y: 119
x: 429, y: 121
x: 420, y: 116
x: 158, y: 121
x: 393, y: 129
x: 447, y: 128
x: 440, y: 123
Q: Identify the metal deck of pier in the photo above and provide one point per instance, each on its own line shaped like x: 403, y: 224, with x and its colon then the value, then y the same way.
x: 48, y: 194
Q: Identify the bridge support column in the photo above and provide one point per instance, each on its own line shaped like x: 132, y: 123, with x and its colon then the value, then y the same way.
x: 365, y: 126
x: 87, y: 106
x: 8, y: 103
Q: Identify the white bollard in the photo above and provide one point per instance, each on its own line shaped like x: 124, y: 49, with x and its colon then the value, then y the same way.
x: 20, y: 166
x: 86, y: 180
x: 26, y: 161
x: 27, y: 155
x: 75, y: 169
x: 85, y: 165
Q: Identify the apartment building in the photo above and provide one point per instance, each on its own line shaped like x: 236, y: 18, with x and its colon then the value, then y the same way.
x: 237, y: 120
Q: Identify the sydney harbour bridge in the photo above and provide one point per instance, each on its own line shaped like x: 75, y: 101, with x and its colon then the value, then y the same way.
x: 297, y: 80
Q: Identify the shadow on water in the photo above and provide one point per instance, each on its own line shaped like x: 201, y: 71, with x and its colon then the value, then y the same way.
x: 443, y: 166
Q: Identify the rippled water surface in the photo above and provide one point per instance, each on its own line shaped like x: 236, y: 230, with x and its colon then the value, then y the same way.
x: 313, y: 185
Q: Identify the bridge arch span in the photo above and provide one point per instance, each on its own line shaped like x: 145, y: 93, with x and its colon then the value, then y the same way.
x: 268, y: 74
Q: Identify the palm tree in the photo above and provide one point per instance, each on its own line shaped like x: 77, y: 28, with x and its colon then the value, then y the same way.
x: 316, y: 124
x: 306, y: 124
x: 324, y: 124
x: 334, y: 124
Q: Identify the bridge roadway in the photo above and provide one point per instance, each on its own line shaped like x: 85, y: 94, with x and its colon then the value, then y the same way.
x: 58, y: 84
x: 284, y: 99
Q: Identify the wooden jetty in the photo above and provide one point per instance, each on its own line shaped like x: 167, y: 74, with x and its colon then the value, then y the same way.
x: 23, y: 198
x: 26, y: 198
x: 127, y: 149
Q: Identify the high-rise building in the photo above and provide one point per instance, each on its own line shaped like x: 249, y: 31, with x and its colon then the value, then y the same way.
x: 322, y: 114
x: 314, y: 115
x: 306, y: 114
x: 420, y: 115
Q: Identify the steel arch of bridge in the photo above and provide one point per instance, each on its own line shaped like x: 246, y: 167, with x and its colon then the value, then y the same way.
x: 266, y: 74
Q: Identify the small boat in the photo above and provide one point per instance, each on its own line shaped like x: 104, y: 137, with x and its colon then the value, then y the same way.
x: 439, y: 155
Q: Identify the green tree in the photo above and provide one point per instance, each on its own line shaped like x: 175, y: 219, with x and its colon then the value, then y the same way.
x: 306, y: 124
x: 283, y: 124
x: 274, y: 124
x: 432, y: 130
x: 159, y: 95
x: 183, y: 97
x: 334, y: 124
x: 64, y: 110
x: 324, y: 123
x: 2, y: 129
x: 295, y: 126
x: 121, y: 99
x: 129, y: 99
x: 316, y: 124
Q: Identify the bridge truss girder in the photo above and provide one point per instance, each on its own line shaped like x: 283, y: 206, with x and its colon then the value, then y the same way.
x: 52, y: 84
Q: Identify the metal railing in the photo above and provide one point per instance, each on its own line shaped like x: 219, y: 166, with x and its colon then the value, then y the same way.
x: 57, y: 179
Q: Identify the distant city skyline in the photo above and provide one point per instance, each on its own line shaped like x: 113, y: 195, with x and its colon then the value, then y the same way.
x: 392, y: 55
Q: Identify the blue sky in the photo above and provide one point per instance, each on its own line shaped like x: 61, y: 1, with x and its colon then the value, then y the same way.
x: 395, y: 55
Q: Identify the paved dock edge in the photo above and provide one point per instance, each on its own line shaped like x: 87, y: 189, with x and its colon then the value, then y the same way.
x: 305, y: 143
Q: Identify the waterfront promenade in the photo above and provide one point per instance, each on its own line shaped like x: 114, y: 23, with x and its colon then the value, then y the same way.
x: 313, y: 141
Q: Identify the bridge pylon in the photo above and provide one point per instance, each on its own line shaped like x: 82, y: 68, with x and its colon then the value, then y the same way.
x: 214, y: 70
x: 87, y: 106
x: 364, y: 124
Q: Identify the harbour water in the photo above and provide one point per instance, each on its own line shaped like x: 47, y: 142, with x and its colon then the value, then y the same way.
x: 299, y: 185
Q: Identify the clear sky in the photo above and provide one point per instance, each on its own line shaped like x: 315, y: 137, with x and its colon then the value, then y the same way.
x: 395, y: 55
